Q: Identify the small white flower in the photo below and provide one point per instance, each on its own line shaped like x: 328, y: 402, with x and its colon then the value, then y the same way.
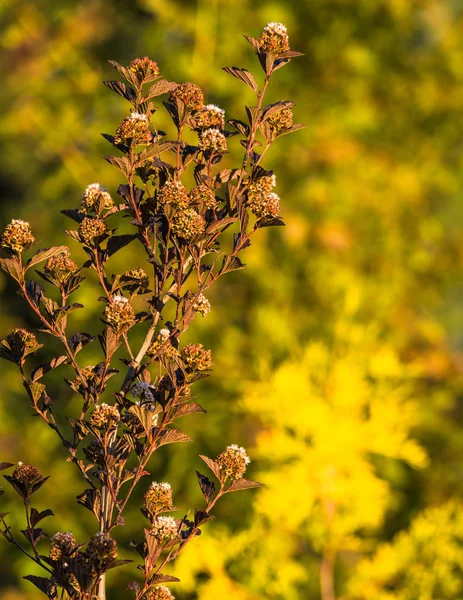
x: 275, y: 27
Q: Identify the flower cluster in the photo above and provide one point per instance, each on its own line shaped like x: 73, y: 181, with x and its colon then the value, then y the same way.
x: 63, y: 545
x: 101, y: 548
x: 26, y: 474
x: 158, y: 497
x: 164, y: 528
x: 210, y: 116
x: 17, y: 236
x: 274, y: 39
x: 91, y: 229
x: 233, y: 462
x: 60, y: 266
x: 119, y: 313
x: 163, y: 340
x: 196, y: 358
x: 104, y: 416
x: 21, y: 342
x: 134, y: 129
x: 187, y: 224
x: 143, y: 390
x: 96, y: 198
x: 144, y: 68
x: 136, y: 279
x: 202, y: 305
x: 280, y: 121
x: 261, y: 200
x: 202, y: 195
x: 159, y: 592
x: 175, y: 193
x: 190, y: 94
x: 213, y: 140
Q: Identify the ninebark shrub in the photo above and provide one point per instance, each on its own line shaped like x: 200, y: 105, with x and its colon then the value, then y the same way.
x: 191, y: 236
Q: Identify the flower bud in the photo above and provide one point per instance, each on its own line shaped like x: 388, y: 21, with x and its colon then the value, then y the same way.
x: 213, y: 140
x: 134, y: 130
x: 144, y: 68
x: 187, y: 224
x: 280, y: 121
x: 119, y: 313
x: 17, y: 236
x: 190, y: 94
x: 91, y: 229
x: 210, y: 116
x: 163, y: 340
x: 233, y: 462
x: 26, y: 474
x: 203, y: 196
x: 274, y: 39
x: 96, y: 197
x: 158, y: 497
x: 104, y: 416
x: 164, y: 528
x: 63, y: 545
x: 175, y: 193
x: 159, y: 592
x: 202, y: 305
x: 196, y: 358
x: 60, y: 266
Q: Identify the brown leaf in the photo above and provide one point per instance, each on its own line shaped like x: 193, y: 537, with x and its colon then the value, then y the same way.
x: 162, y: 86
x: 213, y: 466
x: 13, y: 267
x: 242, y: 75
x: 172, y: 436
x: 243, y: 484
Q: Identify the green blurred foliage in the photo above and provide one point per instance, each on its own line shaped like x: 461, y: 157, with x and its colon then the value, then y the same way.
x: 369, y: 265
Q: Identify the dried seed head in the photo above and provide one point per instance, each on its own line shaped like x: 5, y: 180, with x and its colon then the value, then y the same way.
x: 202, y: 305
x: 203, y: 196
x: 213, y: 140
x: 265, y: 205
x: 162, y: 340
x: 104, y: 416
x: 27, y: 474
x: 144, y: 68
x: 187, y: 224
x: 63, y: 545
x: 143, y: 390
x: 61, y: 266
x: 21, y: 342
x: 190, y: 94
x: 158, y: 497
x: 159, y: 592
x: 210, y: 116
x: 281, y: 121
x: 175, y: 193
x: 134, y: 130
x: 164, y: 528
x: 119, y: 313
x: 17, y: 236
x: 101, y: 547
x: 91, y: 229
x: 196, y: 357
x: 96, y: 197
x: 274, y: 39
x: 233, y: 461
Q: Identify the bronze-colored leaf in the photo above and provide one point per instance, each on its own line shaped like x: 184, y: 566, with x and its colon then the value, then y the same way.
x: 243, y: 484
x: 44, y: 254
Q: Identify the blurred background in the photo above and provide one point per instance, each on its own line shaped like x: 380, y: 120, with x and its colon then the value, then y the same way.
x: 338, y: 352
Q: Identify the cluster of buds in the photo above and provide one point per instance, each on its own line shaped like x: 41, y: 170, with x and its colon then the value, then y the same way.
x: 261, y: 200
x: 210, y: 116
x: 60, y: 266
x: 26, y: 474
x: 203, y: 196
x: 144, y: 68
x: 101, y: 551
x: 158, y: 497
x: 17, y: 236
x: 187, y: 224
x: 164, y: 528
x: 94, y: 451
x: 233, y: 462
x: 274, y: 39
x: 63, y: 545
x: 143, y: 390
x: 280, y: 121
x: 104, y: 416
x: 119, y: 313
x: 134, y: 130
x: 175, y: 193
x: 190, y: 94
x: 20, y: 343
x: 159, y: 592
x: 202, y: 305
x: 213, y: 140
x: 91, y: 229
x: 96, y: 198
x: 196, y: 358
x: 163, y: 340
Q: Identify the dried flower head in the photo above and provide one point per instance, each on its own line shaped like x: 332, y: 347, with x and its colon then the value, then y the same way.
x: 274, y: 39
x: 187, y: 224
x: 202, y: 305
x: 163, y: 340
x: 143, y: 390
x: 104, y: 416
x: 210, y: 116
x: 91, y: 229
x: 96, y: 198
x: 265, y: 205
x: 175, y: 193
x: 164, y: 528
x: 144, y: 68
x: 17, y: 236
x: 101, y: 547
x: 158, y: 497
x: 213, y: 140
x: 134, y: 130
x: 21, y: 342
x: 60, y: 266
x: 233, y: 461
x: 281, y: 121
x: 203, y: 196
x: 196, y: 357
x: 159, y: 592
x: 26, y: 474
x: 119, y: 313
x: 63, y: 545
x: 190, y: 94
